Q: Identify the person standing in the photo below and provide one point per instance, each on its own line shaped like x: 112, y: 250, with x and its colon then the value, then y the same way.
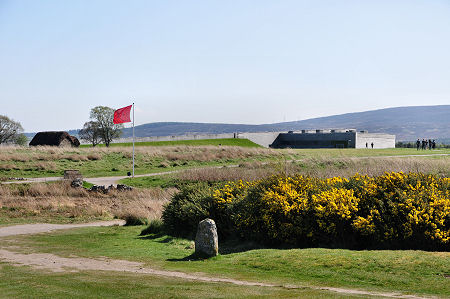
x: 418, y: 143
x: 371, y: 144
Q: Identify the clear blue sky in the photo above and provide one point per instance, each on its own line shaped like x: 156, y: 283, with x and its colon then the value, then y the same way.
x: 219, y: 61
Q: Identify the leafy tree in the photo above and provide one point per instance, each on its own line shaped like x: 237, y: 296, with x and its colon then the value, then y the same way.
x: 104, y: 116
x: 9, y: 129
x: 91, y: 133
x: 21, y: 139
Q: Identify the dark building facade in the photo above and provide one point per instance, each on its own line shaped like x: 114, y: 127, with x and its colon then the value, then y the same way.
x: 348, y: 138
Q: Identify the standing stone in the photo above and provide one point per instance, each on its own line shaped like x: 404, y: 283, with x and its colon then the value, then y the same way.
x: 206, y: 240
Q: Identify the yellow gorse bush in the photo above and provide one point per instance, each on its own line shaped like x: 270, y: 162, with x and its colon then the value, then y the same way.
x: 403, y: 209
x: 229, y: 193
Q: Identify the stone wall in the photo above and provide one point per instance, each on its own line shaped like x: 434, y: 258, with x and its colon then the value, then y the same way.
x: 175, y: 138
x: 321, y: 139
x: 379, y: 140
x: 264, y: 138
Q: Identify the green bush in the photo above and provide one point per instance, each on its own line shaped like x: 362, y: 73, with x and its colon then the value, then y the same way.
x: 155, y: 226
x: 133, y: 220
x: 187, y: 208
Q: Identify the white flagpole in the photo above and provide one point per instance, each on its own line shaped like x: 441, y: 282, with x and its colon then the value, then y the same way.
x: 133, y: 140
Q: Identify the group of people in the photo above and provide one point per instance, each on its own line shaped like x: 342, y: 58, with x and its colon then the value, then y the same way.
x: 425, y: 144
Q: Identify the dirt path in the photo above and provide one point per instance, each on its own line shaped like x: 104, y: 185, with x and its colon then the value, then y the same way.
x: 109, y: 180
x: 51, y: 262
x: 34, y: 180
x: 29, y: 229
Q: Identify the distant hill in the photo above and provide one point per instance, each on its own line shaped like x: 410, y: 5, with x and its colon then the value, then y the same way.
x: 407, y: 123
x: 183, y: 128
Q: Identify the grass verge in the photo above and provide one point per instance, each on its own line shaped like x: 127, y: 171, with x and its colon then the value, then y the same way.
x: 163, y: 181
x: 413, y: 272
x: 23, y: 282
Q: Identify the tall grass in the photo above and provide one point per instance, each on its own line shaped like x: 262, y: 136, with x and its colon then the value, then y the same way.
x: 60, y: 200
x: 320, y: 167
x: 373, y: 166
x: 44, y: 161
x: 171, y: 153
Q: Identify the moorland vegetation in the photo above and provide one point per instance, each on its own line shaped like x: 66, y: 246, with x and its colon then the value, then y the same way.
x: 43, y: 161
x: 293, y: 193
x: 59, y: 202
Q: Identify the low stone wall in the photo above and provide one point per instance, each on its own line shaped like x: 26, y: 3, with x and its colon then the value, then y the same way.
x: 379, y: 140
x: 267, y: 138
x: 176, y: 137
x: 262, y: 138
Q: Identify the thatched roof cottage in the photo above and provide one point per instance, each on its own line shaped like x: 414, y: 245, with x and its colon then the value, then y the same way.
x: 55, y: 138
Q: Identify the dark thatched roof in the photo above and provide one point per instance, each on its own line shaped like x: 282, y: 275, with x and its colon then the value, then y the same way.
x: 60, y: 138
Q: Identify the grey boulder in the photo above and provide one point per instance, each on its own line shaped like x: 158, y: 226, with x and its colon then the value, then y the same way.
x: 206, y: 240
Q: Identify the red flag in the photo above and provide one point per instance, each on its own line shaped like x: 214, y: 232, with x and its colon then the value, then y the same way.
x: 122, y: 115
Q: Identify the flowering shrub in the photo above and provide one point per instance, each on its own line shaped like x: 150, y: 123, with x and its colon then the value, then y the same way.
x: 395, y: 210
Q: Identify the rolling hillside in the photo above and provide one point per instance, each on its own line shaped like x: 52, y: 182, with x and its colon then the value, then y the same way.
x: 407, y: 123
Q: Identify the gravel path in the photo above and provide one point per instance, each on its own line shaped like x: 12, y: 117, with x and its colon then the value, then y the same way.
x: 107, y: 180
x: 34, y: 180
x: 51, y: 262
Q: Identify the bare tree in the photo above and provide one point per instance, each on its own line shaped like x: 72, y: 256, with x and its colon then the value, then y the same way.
x: 104, y: 117
x: 91, y: 133
x: 9, y: 129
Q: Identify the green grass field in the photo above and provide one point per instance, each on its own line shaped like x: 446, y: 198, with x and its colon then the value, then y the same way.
x: 163, y: 181
x: 23, y: 282
x: 412, y: 272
